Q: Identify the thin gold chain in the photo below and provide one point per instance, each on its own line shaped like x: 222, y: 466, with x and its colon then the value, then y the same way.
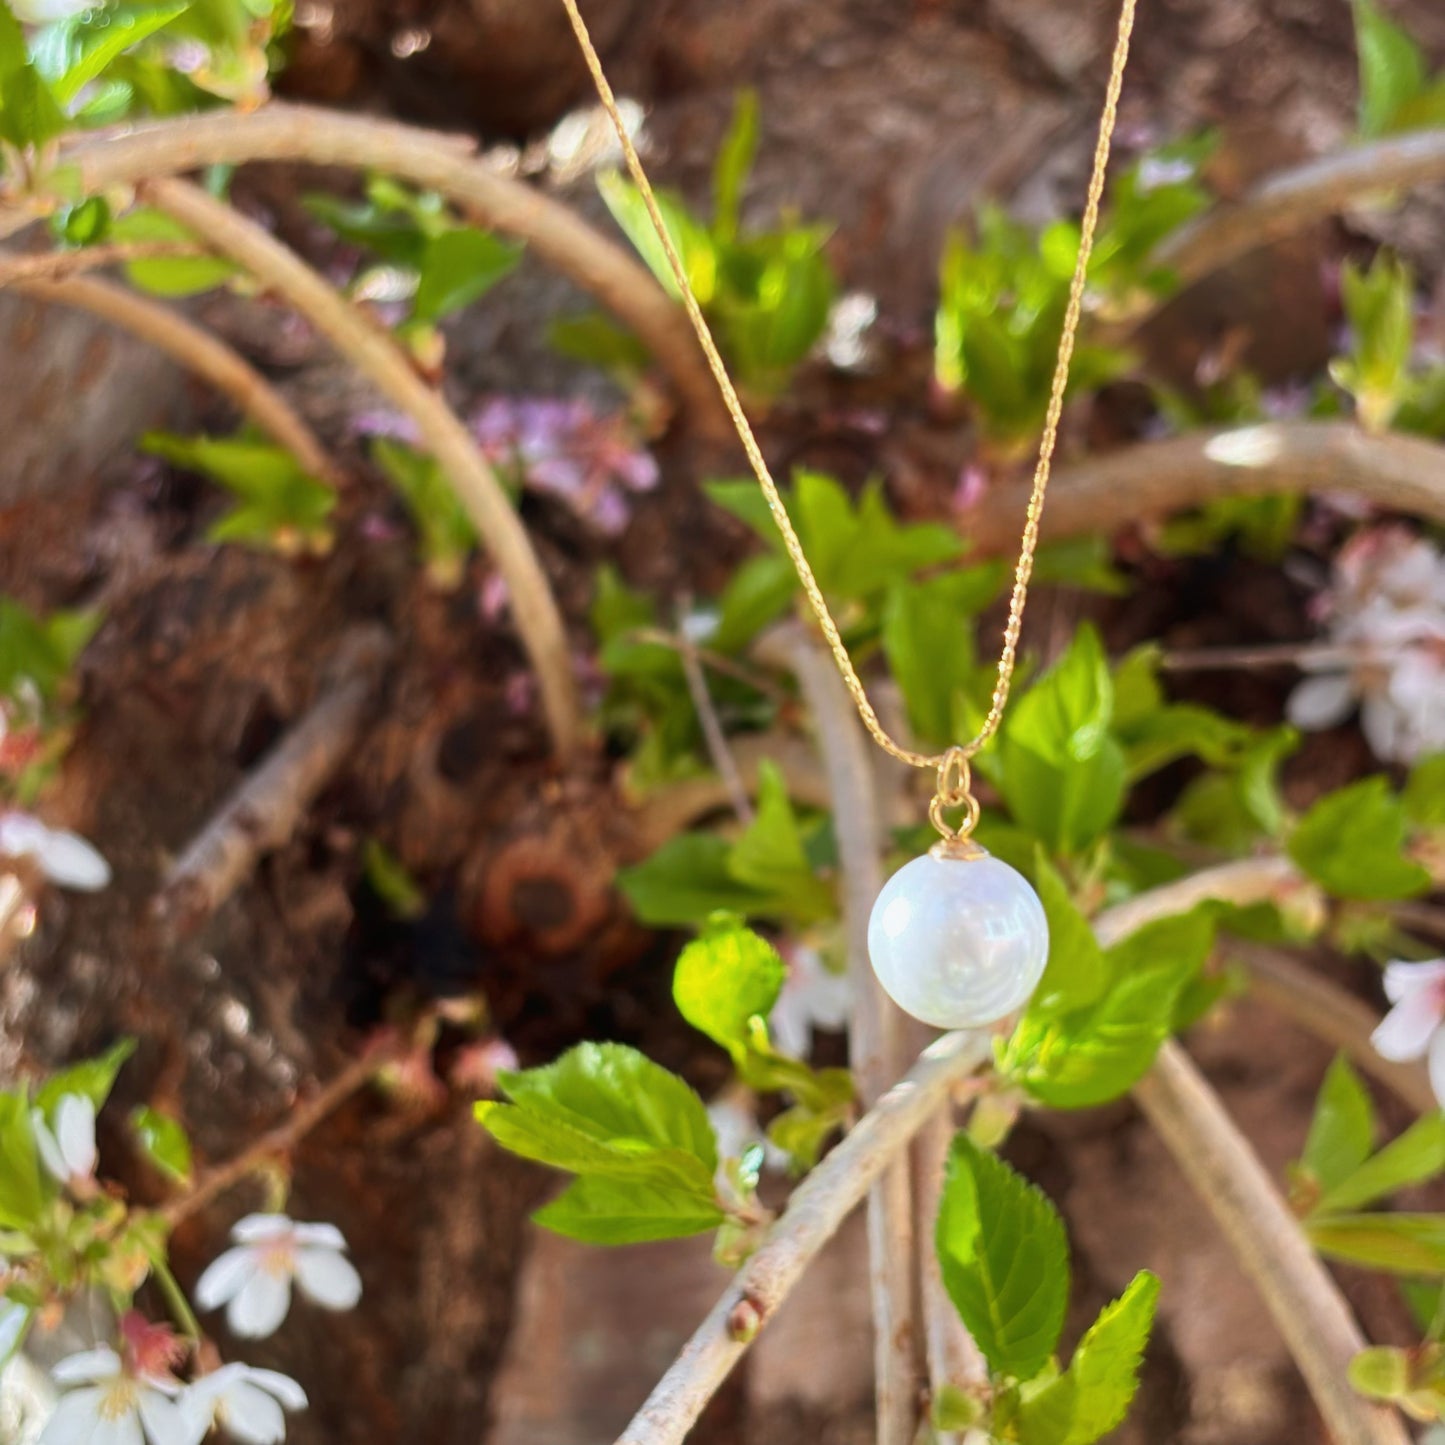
x: 1047, y: 446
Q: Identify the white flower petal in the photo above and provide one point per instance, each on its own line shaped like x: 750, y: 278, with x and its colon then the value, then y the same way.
x: 87, y: 1366
x: 1384, y: 729
x: 75, y: 1419
x: 251, y: 1415
x: 328, y: 1278
x: 285, y: 1389
x: 1405, y: 1031
x: 123, y: 1429
x: 326, y: 1236
x: 1437, y: 1067
x: 1404, y: 978
x: 1321, y: 702
x: 165, y: 1422
x: 64, y: 857
x: 48, y: 1149
x: 261, y: 1306
x: 75, y: 1133
x: 226, y: 1277
x: 256, y: 1228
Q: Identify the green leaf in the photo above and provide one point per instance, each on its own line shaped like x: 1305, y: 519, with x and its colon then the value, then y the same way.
x: 614, y: 1095
x: 1097, y: 1053
x: 448, y: 534
x: 1424, y: 795
x: 1077, y: 972
x: 688, y: 879
x: 92, y: 48
x: 389, y: 879
x: 1004, y: 1260
x: 1380, y: 1373
x: 734, y: 161
x: 457, y: 268
x: 597, y: 340
x: 92, y: 1078
x: 1417, y: 1155
x: 29, y: 114
x: 757, y: 594
x: 1342, y: 1131
x: 618, y: 609
x: 604, y: 1210
x: 165, y: 1142
x: 168, y: 275
x: 1353, y: 842
x: 1092, y: 1396
x: 1392, y: 69
x: 21, y: 1195
x: 771, y: 859
x: 1060, y: 771
x: 41, y: 652
x: 692, y: 243
x: 725, y: 979
x: 1406, y: 1244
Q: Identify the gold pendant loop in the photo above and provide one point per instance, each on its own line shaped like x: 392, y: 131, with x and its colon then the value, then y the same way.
x: 955, y: 790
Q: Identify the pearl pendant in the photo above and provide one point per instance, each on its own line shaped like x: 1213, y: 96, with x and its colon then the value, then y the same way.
x: 958, y: 940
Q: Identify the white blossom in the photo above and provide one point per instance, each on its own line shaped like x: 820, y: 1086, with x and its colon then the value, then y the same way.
x: 1412, y: 1029
x: 1386, y: 608
x: 247, y: 1403
x: 114, y: 1403
x: 813, y: 997
x: 68, y: 1149
x: 253, y: 1280
x: 62, y: 856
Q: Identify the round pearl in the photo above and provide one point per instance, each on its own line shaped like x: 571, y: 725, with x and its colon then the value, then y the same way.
x: 958, y: 942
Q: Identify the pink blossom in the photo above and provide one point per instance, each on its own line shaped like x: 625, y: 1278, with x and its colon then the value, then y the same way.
x: 1412, y: 1028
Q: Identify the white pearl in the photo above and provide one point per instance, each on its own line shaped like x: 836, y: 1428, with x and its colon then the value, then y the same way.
x: 958, y: 942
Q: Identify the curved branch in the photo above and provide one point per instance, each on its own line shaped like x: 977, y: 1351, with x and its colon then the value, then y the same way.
x: 817, y: 1208
x: 200, y: 352
x: 1307, y: 1307
x: 1150, y: 479
x: 377, y: 356
x: 1284, y: 203
x: 56, y: 265
x: 93, y: 163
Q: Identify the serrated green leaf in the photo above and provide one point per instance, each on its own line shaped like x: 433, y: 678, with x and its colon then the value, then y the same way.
x: 770, y: 857
x: 164, y: 1140
x: 1004, y: 1260
x: 1077, y: 973
x: 1353, y: 842
x: 92, y: 1079
x: 1342, y: 1131
x: 1406, y: 1244
x: 1417, y: 1155
x: 1092, y: 1397
x: 459, y: 267
x: 610, y: 1211
x: 723, y: 980
x: 688, y: 879
x: 93, y: 48
x: 21, y: 1195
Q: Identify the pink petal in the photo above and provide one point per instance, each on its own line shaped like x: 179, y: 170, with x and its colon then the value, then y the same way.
x: 1405, y: 1031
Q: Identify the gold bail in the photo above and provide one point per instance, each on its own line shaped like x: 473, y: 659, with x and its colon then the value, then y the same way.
x: 955, y: 790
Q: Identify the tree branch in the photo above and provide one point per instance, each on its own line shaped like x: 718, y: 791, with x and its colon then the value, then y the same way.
x: 877, y: 1037
x: 199, y: 352
x: 553, y: 232
x: 57, y: 265
x: 1151, y: 479
x: 815, y: 1211
x: 1287, y: 202
x: 1307, y: 1307
x: 265, y: 810
x: 375, y: 354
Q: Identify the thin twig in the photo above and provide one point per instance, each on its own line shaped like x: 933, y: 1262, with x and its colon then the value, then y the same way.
x: 1327, y: 1011
x: 877, y: 1038
x: 1307, y: 1307
x: 712, y: 729
x: 94, y: 163
x: 815, y: 1211
x: 376, y: 354
x: 57, y: 265
x: 1151, y: 479
x: 281, y: 1140
x: 261, y: 814
x: 1306, y: 656
x: 1287, y: 202
x: 199, y: 352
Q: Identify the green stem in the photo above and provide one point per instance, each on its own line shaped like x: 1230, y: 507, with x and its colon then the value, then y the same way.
x: 180, y: 1306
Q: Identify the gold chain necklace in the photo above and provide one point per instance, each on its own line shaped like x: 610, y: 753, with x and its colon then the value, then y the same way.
x: 952, y: 947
